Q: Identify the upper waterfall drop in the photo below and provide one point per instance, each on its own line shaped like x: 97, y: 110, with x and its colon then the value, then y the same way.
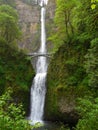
x: 38, y: 88
x: 41, y: 2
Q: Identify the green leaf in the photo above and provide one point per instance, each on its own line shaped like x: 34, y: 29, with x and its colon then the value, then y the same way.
x: 93, y: 6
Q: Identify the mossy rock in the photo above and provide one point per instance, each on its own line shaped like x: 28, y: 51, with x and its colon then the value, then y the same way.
x: 66, y: 82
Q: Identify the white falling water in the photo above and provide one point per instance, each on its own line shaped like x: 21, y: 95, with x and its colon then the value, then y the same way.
x: 38, y: 88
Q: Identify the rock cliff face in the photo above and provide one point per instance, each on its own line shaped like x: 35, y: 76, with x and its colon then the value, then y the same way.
x: 29, y: 21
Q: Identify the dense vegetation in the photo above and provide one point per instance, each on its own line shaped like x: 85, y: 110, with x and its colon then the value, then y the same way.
x: 15, y: 72
x: 73, y: 71
x: 9, y: 28
x: 11, y: 115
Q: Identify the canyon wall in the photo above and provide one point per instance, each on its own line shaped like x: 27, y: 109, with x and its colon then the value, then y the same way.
x: 29, y: 21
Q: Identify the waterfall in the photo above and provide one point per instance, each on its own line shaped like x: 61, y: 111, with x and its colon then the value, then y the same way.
x: 38, y: 88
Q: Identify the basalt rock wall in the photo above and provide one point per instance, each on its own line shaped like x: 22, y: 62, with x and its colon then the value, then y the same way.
x: 29, y: 21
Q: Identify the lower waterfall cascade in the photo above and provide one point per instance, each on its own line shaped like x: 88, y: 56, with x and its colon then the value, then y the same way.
x: 38, y: 88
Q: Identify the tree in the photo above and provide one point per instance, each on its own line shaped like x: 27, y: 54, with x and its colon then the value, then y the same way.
x: 64, y: 21
x: 63, y: 15
x: 9, y: 10
x: 87, y: 19
x: 88, y: 110
x: 9, y: 28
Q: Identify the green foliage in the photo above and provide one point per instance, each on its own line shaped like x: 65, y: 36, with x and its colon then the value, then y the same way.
x: 9, y: 10
x: 9, y: 28
x: 91, y: 63
x: 72, y: 18
x: 14, y: 68
x: 87, y: 19
x: 64, y: 21
x: 73, y: 71
x: 93, y: 6
x: 12, y: 115
x: 88, y: 109
x: 63, y: 128
x: 93, y: 3
x: 69, y: 66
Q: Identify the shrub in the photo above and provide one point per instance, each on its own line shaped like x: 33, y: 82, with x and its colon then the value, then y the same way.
x: 11, y: 114
x: 88, y: 110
